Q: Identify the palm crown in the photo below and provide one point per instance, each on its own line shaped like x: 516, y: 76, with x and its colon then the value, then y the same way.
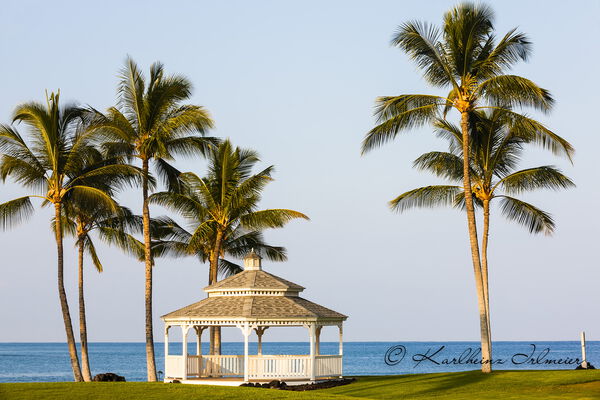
x: 496, y: 150
x: 222, y: 209
x: 465, y: 58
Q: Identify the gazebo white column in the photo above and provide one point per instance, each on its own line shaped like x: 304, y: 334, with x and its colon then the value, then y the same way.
x: 318, y: 339
x: 312, y: 335
x: 184, y: 331
x: 199, y: 330
x: 246, y: 330
x: 166, y: 343
x: 340, y: 326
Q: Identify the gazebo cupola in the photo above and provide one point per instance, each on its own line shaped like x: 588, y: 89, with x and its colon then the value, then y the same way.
x: 252, y: 261
x: 253, y: 300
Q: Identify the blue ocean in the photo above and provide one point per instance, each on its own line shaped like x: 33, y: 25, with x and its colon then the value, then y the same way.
x: 49, y: 362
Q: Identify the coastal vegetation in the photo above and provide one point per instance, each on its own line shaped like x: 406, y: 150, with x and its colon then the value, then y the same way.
x: 497, y: 143
x: 517, y: 385
x: 58, y: 164
x: 222, y: 209
x: 79, y: 159
x: 465, y: 59
x: 150, y: 124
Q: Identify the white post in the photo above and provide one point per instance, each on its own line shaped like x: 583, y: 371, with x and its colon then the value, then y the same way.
x: 184, y: 331
x: 246, y: 331
x: 341, y: 348
x: 341, y: 339
x: 199, y: 330
x: 166, y: 349
x: 167, y: 341
x: 318, y: 340
x: 583, y: 356
x: 312, y: 335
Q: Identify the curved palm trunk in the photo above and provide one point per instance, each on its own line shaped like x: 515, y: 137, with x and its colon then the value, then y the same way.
x: 215, y: 331
x: 64, y: 305
x: 483, y: 322
x: 484, y: 265
x: 150, y: 359
x: 87, y: 376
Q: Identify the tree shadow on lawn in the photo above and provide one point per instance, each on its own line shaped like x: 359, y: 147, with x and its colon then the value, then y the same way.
x: 392, y: 386
x: 454, y: 380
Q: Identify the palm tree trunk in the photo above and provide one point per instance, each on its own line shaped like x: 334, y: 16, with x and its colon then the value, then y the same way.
x: 215, y: 331
x: 64, y: 305
x: 87, y: 376
x: 150, y: 359
x: 483, y: 324
x: 484, y: 265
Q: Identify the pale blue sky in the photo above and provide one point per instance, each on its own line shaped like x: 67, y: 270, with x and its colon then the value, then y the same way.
x: 296, y: 81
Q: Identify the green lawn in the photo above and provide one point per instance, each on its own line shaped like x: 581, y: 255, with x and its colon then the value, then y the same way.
x: 505, y: 385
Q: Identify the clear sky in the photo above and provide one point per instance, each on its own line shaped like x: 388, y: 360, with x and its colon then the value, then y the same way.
x: 297, y: 80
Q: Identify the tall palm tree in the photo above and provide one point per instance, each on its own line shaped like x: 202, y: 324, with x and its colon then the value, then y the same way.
x: 150, y: 123
x: 496, y: 148
x: 81, y: 220
x: 465, y: 58
x: 222, y: 209
x: 55, y: 163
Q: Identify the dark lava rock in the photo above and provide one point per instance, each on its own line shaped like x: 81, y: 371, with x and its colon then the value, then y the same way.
x: 281, y: 385
x: 321, y: 385
x: 589, y: 366
x: 108, y: 377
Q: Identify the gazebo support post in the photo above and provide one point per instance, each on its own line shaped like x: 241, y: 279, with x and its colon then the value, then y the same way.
x: 246, y: 330
x: 260, y: 330
x: 312, y: 335
x: 184, y: 332
x: 318, y: 340
x: 340, y: 326
x: 199, y: 330
x: 166, y: 348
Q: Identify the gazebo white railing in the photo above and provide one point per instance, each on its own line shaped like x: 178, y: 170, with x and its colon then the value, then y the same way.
x: 260, y: 366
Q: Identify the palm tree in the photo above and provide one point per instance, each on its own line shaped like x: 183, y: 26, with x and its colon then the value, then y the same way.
x: 222, y: 211
x: 150, y: 124
x: 55, y: 163
x: 496, y: 147
x: 81, y: 220
x: 464, y: 58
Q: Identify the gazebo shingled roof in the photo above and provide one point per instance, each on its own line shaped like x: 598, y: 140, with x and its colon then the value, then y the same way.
x: 254, y: 279
x: 255, y: 307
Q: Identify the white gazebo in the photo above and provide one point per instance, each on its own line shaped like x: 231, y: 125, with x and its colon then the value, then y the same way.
x: 252, y: 300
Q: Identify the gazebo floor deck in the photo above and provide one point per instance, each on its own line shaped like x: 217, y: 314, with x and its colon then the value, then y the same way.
x: 237, y: 381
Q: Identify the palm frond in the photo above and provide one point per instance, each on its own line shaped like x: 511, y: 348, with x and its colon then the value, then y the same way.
x: 527, y: 215
x: 227, y: 268
x: 428, y: 196
x: 544, y: 177
x: 15, y: 211
x: 442, y: 164
x: 91, y: 249
x: 270, y: 218
x: 401, y: 113
x: 514, y: 90
x: 421, y: 42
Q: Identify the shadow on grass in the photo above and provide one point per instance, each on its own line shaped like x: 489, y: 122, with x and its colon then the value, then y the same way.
x: 453, y: 381
x: 418, y: 385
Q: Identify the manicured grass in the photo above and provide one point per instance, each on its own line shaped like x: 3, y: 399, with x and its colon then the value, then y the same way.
x: 505, y: 385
